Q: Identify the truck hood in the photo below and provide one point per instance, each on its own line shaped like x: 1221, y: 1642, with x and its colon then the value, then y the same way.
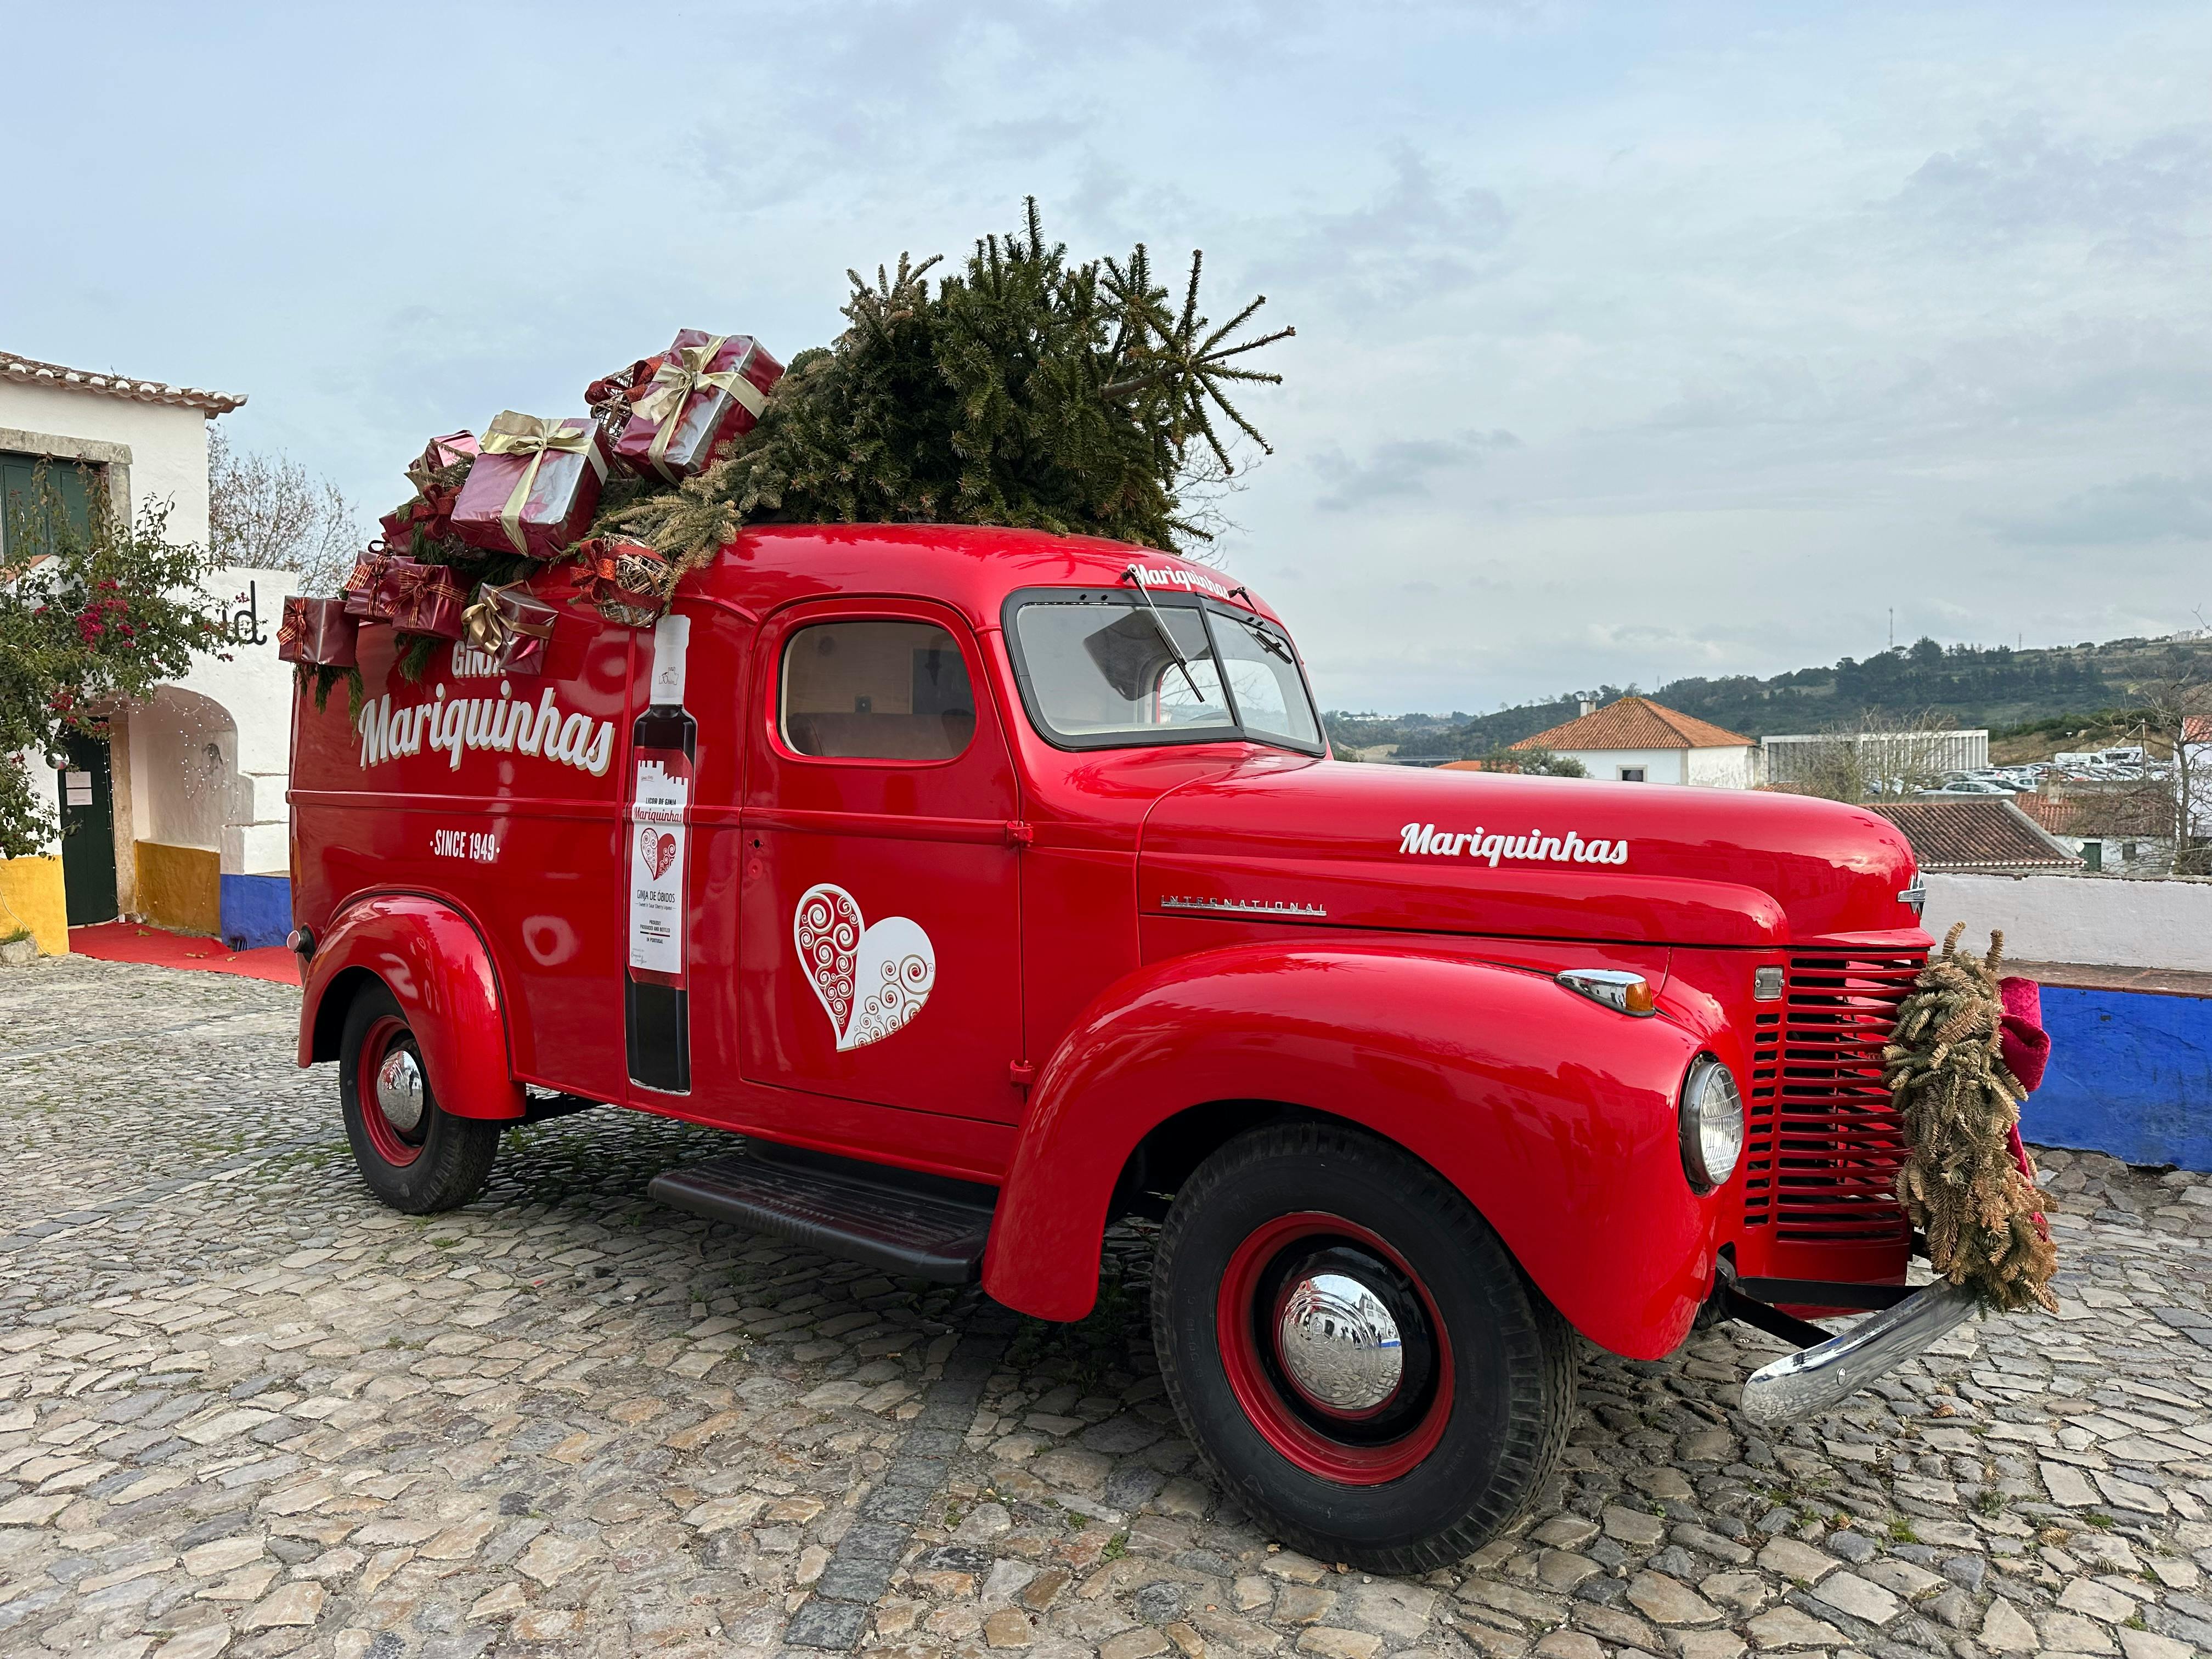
x: 1343, y: 844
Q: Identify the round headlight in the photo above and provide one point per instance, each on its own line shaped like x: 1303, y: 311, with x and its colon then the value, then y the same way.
x: 1712, y: 1124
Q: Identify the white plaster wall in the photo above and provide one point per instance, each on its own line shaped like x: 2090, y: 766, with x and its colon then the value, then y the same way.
x: 2112, y: 920
x: 184, y: 750
x: 243, y: 706
x: 252, y: 685
x: 1722, y: 769
x: 42, y: 785
x: 168, y: 444
x: 1659, y: 765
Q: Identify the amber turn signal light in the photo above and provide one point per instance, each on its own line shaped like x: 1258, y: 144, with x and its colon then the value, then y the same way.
x: 1622, y: 991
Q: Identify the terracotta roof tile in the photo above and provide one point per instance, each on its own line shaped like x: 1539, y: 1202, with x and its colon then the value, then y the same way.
x: 1636, y: 723
x: 2128, y: 813
x: 29, y: 371
x: 2197, y: 728
x: 1986, y: 832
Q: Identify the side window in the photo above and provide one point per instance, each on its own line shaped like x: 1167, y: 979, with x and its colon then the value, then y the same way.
x: 875, y: 690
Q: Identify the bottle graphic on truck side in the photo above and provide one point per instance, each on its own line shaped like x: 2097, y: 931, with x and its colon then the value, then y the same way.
x: 664, y: 744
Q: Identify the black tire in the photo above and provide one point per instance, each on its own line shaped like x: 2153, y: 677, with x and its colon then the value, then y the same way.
x: 1494, y: 1430
x: 452, y: 1157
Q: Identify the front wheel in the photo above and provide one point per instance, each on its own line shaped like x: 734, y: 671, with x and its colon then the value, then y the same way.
x: 414, y: 1155
x: 1354, y: 1351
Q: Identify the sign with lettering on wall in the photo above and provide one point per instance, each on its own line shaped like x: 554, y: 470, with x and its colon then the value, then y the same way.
x: 239, y: 622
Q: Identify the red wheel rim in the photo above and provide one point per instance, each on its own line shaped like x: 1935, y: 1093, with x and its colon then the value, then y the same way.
x: 386, y: 1036
x: 1362, y: 1447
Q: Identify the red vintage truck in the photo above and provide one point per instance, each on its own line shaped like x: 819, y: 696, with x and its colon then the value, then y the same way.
x: 990, y: 886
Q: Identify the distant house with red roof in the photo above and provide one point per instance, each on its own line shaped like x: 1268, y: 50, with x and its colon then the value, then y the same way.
x: 1987, y: 833
x: 1636, y: 741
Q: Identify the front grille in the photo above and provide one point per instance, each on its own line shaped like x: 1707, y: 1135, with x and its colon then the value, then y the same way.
x: 1824, y: 1143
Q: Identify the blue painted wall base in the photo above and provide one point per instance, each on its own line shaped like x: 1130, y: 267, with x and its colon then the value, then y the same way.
x: 2131, y: 1074
x: 257, y: 911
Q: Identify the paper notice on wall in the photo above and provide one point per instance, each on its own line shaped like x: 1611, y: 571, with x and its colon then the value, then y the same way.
x: 77, y: 788
x: 658, y: 862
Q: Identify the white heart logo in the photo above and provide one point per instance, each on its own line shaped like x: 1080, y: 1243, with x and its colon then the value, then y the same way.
x: 871, y: 981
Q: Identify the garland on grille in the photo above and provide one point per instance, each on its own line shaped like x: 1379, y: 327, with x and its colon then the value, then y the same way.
x: 1963, y: 1183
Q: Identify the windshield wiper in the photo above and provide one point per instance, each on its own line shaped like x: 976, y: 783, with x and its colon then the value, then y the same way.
x: 1166, y: 638
x: 1268, y: 641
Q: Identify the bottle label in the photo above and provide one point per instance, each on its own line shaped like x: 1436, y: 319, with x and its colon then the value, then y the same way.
x: 660, y: 863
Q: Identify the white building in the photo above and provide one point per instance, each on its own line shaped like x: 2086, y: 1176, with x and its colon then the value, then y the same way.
x: 1636, y: 741
x: 1790, y: 757
x: 179, y: 817
x: 2197, y: 765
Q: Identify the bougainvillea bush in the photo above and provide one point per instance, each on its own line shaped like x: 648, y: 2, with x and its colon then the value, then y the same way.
x: 91, y: 617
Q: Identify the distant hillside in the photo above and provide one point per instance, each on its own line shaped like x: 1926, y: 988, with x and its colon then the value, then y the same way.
x: 1961, y: 685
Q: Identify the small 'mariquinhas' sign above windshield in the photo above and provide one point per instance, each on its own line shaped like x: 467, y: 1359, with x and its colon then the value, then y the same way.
x: 1534, y: 846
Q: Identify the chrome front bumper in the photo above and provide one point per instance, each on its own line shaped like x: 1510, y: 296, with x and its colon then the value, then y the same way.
x: 1813, y: 1379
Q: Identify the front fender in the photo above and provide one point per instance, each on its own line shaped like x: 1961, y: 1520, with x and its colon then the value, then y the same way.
x: 431, y: 959
x: 1555, y: 1116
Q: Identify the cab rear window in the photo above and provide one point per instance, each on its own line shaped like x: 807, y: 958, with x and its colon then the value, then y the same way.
x: 875, y: 690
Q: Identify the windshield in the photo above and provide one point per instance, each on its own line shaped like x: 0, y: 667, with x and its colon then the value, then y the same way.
x: 1106, y: 668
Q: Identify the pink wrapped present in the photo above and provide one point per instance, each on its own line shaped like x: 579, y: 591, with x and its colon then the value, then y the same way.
x: 706, y: 389
x: 437, y: 455
x: 534, y: 486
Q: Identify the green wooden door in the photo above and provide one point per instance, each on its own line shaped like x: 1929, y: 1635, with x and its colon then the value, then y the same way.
x: 35, y: 493
x: 87, y: 833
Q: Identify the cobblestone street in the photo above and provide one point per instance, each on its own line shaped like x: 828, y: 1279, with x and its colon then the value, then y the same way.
x: 245, y: 1410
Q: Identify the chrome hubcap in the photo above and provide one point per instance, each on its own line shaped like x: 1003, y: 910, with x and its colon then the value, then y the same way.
x: 1339, y: 1343
x: 399, y: 1090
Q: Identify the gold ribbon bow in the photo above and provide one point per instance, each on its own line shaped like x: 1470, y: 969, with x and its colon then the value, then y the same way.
x: 674, y: 382
x: 511, y: 434
x: 486, y: 629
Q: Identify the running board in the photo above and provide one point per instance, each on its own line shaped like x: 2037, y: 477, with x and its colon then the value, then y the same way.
x: 926, y: 1226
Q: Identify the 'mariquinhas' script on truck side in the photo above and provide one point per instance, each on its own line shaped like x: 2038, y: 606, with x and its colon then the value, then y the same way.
x: 990, y: 886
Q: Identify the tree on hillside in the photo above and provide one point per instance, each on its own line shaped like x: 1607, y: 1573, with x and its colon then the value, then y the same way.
x: 93, y: 615
x: 267, y: 512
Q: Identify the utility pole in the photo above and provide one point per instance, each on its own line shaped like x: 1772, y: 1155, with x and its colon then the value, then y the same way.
x: 1893, y: 628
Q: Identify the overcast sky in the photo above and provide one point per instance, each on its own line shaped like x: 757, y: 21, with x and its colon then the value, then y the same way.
x: 1634, y: 340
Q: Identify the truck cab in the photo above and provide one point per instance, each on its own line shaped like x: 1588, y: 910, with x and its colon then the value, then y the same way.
x: 990, y: 887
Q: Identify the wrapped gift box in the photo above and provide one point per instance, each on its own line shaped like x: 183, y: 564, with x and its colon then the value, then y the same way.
x: 359, y: 589
x: 439, y: 455
x: 534, y: 486
x: 613, y: 398
x: 429, y: 515
x: 706, y: 389
x: 419, y: 598
x: 317, y: 631
x: 511, y: 626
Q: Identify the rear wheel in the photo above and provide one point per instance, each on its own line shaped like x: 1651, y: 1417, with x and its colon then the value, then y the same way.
x: 1355, y: 1352
x: 413, y: 1154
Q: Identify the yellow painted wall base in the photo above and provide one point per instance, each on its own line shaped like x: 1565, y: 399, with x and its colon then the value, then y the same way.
x: 180, y: 887
x: 32, y: 889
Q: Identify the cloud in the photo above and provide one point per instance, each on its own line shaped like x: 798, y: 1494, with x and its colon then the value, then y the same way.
x: 2153, y: 508
x: 1419, y: 237
x: 1402, y: 468
x: 2020, y: 181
